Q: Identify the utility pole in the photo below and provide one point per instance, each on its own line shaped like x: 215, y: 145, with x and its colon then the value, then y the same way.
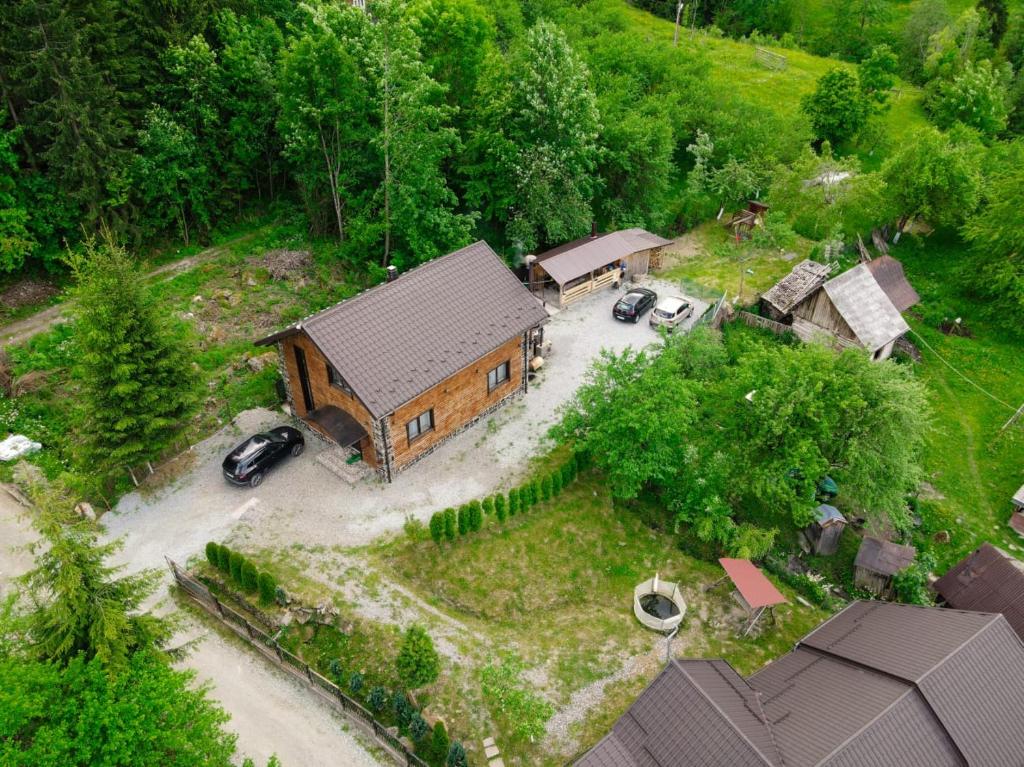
x: 679, y: 14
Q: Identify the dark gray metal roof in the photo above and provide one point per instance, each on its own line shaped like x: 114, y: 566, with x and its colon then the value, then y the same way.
x: 399, y: 339
x: 877, y: 685
x: 989, y: 580
x: 574, y: 259
x: 884, y: 557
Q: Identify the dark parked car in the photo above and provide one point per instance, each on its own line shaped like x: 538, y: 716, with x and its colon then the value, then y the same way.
x: 250, y: 461
x: 631, y: 307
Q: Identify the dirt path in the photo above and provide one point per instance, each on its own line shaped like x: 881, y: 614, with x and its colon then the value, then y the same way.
x: 24, y: 329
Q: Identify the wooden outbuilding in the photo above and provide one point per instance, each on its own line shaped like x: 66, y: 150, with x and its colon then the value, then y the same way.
x: 805, y: 279
x: 824, y: 532
x: 398, y: 369
x: 877, y: 562
x: 578, y: 268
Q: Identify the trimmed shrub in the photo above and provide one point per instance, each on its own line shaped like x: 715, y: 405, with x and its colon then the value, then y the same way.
x: 514, y: 502
x: 439, y: 744
x: 537, y: 493
x: 500, y: 506
x: 456, y: 755
x: 545, y: 487
x: 236, y: 561
x: 449, y: 524
x: 267, y: 587
x: 355, y: 682
x: 224, y: 559
x: 402, y: 709
x: 337, y: 672
x: 281, y: 596
x: 377, y: 699
x: 250, y: 577
x: 437, y: 527
x: 418, y: 728
x: 417, y: 663
x: 463, y: 518
x: 476, y: 516
x: 488, y: 506
x: 556, y: 483
x: 212, y: 555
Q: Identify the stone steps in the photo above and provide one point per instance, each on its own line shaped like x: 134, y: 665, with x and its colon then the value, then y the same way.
x: 335, y: 460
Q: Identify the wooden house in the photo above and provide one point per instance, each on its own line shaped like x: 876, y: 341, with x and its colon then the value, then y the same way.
x: 578, y: 268
x: 877, y: 562
x: 824, y: 532
x: 398, y: 369
x: 805, y: 279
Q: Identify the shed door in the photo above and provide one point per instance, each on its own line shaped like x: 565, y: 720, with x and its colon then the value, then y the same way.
x: 307, y: 392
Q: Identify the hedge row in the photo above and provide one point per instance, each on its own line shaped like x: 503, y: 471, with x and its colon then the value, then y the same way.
x: 242, y: 572
x: 452, y: 523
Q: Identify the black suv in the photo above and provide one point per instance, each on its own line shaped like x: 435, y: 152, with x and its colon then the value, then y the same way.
x: 247, y: 463
x: 631, y: 307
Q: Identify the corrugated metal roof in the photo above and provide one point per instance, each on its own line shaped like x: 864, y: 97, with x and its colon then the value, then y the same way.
x: 826, y: 514
x: 582, y: 256
x: 884, y: 557
x: 988, y: 580
x: 805, y: 278
x: 752, y: 584
x: 865, y: 307
x: 888, y: 273
x: 398, y: 339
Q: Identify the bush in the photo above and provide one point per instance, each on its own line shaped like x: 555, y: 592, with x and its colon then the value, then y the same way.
x: 526, y: 498
x: 417, y: 662
x: 336, y: 671
x: 463, y: 519
x: 267, y: 587
x: 402, y: 709
x: 569, y: 471
x: 545, y: 487
x: 439, y: 744
x: 437, y: 527
x: 476, y: 516
x: 556, y: 482
x: 500, y: 506
x: 224, y: 559
x: 281, y: 596
x: 418, y: 728
x: 449, y: 524
x: 536, y: 493
x: 212, y: 555
x: 513, y: 502
x: 456, y: 755
x: 377, y: 699
x: 355, y: 682
x: 488, y: 506
x: 250, y: 577
x: 236, y: 561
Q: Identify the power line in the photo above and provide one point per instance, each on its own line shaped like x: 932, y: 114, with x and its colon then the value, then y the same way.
x: 972, y: 383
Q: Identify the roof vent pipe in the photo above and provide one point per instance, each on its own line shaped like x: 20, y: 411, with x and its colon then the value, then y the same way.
x: 392, y: 273
x: 593, y: 230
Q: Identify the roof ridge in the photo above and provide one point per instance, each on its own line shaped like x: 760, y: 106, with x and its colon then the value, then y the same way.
x: 718, y: 708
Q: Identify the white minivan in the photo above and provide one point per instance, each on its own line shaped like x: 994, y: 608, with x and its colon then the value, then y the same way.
x: 671, y: 312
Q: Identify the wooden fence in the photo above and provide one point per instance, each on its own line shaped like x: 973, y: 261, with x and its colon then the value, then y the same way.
x: 272, y: 651
x: 756, y: 321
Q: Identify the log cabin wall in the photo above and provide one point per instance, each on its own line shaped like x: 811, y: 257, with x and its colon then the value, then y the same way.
x: 819, y: 310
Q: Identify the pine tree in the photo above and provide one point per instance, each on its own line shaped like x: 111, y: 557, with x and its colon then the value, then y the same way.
x: 417, y: 664
x: 439, y: 743
x: 138, y: 386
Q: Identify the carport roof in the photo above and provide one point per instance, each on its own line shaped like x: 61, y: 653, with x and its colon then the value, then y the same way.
x: 754, y: 587
x: 574, y: 259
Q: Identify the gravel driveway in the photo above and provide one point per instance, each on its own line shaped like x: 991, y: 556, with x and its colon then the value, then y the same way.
x: 301, y: 502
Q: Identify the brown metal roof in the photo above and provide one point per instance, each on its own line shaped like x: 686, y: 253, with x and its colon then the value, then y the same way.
x: 877, y: 685
x: 805, y: 278
x: 989, y: 580
x: 884, y: 557
x: 398, y: 339
x: 888, y: 273
x: 574, y: 259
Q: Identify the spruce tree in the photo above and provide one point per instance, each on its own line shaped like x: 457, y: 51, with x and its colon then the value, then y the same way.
x: 138, y: 386
x: 418, y: 664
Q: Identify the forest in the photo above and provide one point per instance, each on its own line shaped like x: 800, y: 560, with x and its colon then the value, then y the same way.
x: 440, y: 121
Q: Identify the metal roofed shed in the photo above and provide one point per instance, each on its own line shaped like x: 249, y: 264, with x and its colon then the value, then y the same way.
x: 824, y: 532
x: 877, y: 561
x: 753, y: 589
x: 889, y: 274
x: 987, y: 580
x: 599, y: 260
x: 805, y: 278
x: 866, y: 308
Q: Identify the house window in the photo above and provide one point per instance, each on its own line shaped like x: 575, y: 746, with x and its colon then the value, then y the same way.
x: 420, y: 425
x: 335, y: 379
x: 498, y: 376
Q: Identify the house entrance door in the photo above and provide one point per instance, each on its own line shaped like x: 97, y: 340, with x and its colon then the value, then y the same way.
x: 307, y: 391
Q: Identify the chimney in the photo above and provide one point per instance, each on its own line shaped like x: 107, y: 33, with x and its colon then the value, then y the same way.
x: 392, y: 274
x: 593, y: 230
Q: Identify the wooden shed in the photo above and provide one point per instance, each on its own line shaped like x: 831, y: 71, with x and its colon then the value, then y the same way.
x: 877, y: 562
x: 824, y: 532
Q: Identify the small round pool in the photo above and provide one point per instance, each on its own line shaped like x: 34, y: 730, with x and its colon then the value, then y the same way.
x: 658, y: 605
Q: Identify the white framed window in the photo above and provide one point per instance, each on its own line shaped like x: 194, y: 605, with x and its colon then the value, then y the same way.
x: 498, y: 376
x: 420, y: 425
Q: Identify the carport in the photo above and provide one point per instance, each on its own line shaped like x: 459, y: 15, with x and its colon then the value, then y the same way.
x: 580, y: 267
